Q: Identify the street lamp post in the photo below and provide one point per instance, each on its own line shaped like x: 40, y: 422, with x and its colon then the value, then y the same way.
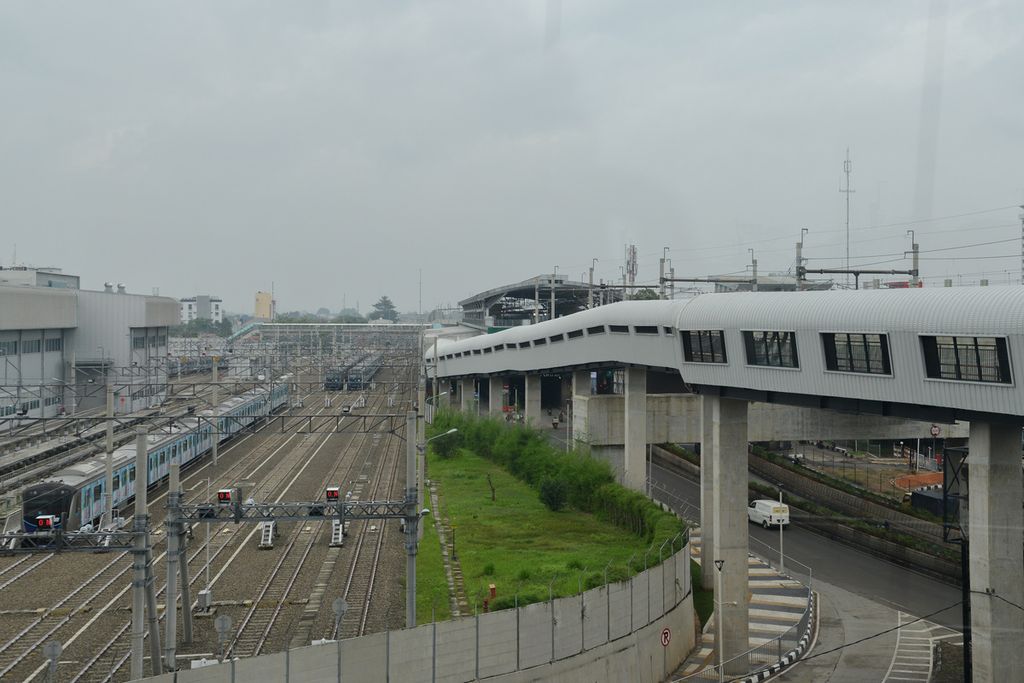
x: 782, y: 557
x: 718, y: 622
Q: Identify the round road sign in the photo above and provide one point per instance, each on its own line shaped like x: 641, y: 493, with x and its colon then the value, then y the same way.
x: 666, y: 637
x: 936, y: 430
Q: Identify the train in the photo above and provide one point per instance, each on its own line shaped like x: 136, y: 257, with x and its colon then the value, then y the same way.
x: 73, y: 497
x: 360, y: 376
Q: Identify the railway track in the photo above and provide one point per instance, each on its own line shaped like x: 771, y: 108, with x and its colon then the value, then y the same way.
x: 19, y: 652
x: 256, y: 626
x: 107, y: 662
x: 116, y: 652
x: 362, y: 573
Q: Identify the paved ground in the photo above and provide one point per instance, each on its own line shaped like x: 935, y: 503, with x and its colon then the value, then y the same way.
x: 777, y: 603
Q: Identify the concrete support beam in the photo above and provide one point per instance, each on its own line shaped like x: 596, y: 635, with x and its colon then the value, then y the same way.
x: 467, y: 387
x: 707, y: 494
x: 495, y: 401
x: 729, y: 544
x: 532, y: 403
x: 995, y: 527
x: 580, y: 417
x: 634, y: 464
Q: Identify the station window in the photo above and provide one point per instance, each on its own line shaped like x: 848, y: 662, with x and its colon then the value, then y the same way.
x: 854, y: 352
x: 770, y: 348
x: 619, y: 329
x: 540, y: 342
x: 8, y: 348
x: 575, y: 333
x: 31, y: 346
x: 597, y: 329
x: 488, y: 349
x: 557, y: 338
x: 54, y: 344
x: 524, y: 345
x: 968, y: 359
x: 703, y: 346
x: 647, y: 329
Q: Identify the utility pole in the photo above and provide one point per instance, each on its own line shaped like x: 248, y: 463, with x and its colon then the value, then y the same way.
x: 144, y: 593
x: 914, y: 247
x: 536, y: 301
x: 672, y: 281
x: 411, y: 519
x: 847, y: 167
x: 593, y: 262
x: 753, y: 265
x: 661, y: 273
x: 216, y: 411
x: 554, y: 275
x: 800, y: 260
x: 109, y: 448
x: 1022, y: 245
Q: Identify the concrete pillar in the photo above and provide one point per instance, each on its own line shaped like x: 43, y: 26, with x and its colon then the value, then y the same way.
x: 495, y: 401
x: 580, y: 420
x: 730, y: 535
x: 707, y: 496
x: 467, y: 387
x: 532, y: 402
x: 634, y: 461
x: 995, y: 525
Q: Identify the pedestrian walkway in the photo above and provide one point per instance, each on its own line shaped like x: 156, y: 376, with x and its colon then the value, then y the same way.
x: 915, y: 647
x: 777, y: 606
x: 453, y: 570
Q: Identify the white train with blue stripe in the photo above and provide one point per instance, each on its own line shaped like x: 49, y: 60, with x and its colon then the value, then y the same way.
x: 74, y: 496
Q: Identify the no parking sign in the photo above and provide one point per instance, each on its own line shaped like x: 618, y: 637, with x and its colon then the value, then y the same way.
x: 666, y: 637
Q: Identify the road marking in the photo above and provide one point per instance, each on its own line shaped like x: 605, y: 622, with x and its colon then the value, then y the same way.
x: 912, y: 658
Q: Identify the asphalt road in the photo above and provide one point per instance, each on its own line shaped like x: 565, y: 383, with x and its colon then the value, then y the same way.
x: 860, y: 595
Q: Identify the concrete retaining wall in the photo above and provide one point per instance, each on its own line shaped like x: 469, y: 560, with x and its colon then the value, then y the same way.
x: 808, y: 489
x: 608, y: 633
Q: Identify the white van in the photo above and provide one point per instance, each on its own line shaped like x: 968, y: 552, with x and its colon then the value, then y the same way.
x: 768, y: 513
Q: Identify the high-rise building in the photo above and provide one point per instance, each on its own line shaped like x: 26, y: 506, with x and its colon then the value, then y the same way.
x: 202, y: 307
x: 266, y: 307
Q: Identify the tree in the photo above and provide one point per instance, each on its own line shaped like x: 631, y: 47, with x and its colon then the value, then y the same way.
x: 349, y: 318
x: 384, y: 309
x: 645, y: 294
x: 194, y: 328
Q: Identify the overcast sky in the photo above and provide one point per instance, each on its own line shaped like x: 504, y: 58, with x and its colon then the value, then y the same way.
x: 335, y: 149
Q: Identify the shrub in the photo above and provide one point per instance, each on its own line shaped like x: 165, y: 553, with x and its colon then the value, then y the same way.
x: 488, y: 569
x: 553, y: 493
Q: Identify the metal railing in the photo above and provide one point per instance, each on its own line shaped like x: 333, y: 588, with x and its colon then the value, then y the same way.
x: 757, y: 658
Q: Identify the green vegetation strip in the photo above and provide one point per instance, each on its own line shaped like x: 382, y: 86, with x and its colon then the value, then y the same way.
x: 515, y: 541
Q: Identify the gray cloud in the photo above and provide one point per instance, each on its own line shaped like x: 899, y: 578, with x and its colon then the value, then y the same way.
x: 338, y: 148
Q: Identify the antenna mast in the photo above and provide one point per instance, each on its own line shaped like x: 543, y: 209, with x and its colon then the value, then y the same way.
x: 847, y: 167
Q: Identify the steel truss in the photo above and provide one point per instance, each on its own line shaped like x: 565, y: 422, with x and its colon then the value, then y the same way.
x: 70, y: 541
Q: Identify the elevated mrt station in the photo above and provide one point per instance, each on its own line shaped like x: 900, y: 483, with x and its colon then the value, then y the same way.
x: 727, y: 369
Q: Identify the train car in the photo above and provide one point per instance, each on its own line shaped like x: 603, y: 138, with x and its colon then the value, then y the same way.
x: 334, y: 379
x: 362, y: 374
x: 74, y: 496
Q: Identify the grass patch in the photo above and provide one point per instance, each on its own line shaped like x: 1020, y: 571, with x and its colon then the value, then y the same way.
x: 517, y: 543
x: 703, y: 600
